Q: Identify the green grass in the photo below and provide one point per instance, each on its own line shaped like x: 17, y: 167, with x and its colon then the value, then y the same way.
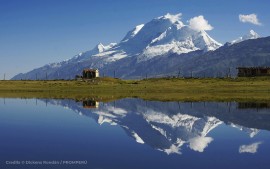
x: 163, y: 89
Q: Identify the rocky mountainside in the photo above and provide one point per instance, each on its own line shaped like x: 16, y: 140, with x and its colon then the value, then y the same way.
x: 225, y: 60
x: 219, y: 63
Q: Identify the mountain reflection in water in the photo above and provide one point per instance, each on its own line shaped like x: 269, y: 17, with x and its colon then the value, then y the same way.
x: 168, y: 126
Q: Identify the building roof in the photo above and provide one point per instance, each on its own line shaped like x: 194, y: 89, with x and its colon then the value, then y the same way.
x: 90, y: 70
x: 253, y: 68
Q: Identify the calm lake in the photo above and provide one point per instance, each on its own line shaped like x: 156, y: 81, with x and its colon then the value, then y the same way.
x: 133, y: 134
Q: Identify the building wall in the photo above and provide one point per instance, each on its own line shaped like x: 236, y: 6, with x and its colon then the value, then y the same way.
x: 250, y: 72
x: 89, y: 74
x: 97, y: 73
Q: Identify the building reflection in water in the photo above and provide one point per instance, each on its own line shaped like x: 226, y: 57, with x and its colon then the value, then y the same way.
x: 90, y: 104
x: 253, y: 105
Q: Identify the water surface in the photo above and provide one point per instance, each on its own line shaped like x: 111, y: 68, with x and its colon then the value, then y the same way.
x: 133, y: 133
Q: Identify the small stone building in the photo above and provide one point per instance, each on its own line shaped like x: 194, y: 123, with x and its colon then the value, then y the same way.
x: 253, y: 71
x: 90, y: 73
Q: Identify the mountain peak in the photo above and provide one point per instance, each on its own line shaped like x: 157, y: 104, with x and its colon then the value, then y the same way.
x: 252, y: 32
x: 100, y: 47
x: 250, y: 35
x: 171, y: 17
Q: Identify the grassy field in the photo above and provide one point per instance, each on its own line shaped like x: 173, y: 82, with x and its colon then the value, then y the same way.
x: 162, y: 89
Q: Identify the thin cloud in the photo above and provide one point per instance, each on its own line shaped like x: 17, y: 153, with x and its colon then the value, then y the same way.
x: 251, y: 18
x: 200, y: 24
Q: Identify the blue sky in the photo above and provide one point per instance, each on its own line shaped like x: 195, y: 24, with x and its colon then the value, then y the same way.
x: 37, y: 32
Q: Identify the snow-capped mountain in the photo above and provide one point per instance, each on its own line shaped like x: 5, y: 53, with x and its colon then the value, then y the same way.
x: 157, y: 37
x: 166, y: 34
x: 251, y: 35
x: 162, y: 36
